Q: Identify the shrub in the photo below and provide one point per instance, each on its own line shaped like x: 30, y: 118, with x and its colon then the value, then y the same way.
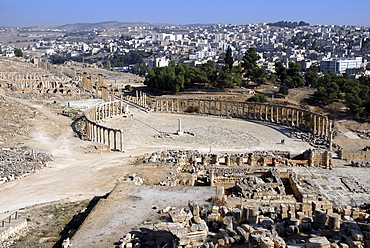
x: 192, y: 109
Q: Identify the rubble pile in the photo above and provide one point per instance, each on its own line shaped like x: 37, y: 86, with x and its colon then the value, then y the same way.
x: 353, y: 185
x: 16, y: 163
x: 313, y: 140
x: 360, y: 163
x: 363, y: 134
x: 315, y: 224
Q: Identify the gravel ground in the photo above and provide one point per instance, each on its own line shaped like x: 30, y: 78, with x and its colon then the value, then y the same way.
x: 129, y: 206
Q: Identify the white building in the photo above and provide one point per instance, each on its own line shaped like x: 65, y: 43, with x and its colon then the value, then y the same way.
x: 340, y: 65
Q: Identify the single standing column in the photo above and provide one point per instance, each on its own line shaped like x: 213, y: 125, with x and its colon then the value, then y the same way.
x: 272, y: 114
x: 314, y: 124
x: 266, y: 114
x: 261, y: 115
x: 220, y: 108
x: 323, y: 131
x: 122, y: 148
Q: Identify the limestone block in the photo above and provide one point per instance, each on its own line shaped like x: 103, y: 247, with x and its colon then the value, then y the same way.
x: 213, y: 217
x: 356, y: 244
x: 237, y: 213
x: 231, y: 240
x: 266, y: 242
x: 300, y: 215
x: 194, y: 208
x: 221, y: 242
x: 223, y: 233
x: 231, y: 231
x: 197, y: 219
x: 202, y: 226
x: 343, y: 245
x: 248, y: 228
x: 243, y: 233
x: 178, y: 215
x: 357, y: 235
x: 237, y: 238
x: 355, y: 214
x: 318, y: 242
x: 279, y: 242
x: 194, y: 227
x: 229, y: 221
x: 334, y: 222
x: 215, y: 209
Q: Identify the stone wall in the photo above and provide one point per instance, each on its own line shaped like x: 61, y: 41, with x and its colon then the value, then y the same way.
x: 357, y: 155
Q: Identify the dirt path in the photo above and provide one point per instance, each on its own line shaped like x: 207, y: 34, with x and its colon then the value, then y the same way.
x: 73, y: 174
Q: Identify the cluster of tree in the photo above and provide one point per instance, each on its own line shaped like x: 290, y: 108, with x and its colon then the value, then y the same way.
x: 252, y: 71
x: 228, y: 76
x: 257, y: 98
x: 180, y: 76
x: 290, y: 77
x: 355, y: 92
x: 18, y: 52
x: 130, y: 58
x: 287, y: 24
x: 57, y: 59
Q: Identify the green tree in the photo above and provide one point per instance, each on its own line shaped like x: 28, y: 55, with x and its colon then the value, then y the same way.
x: 257, y: 98
x: 280, y: 71
x: 18, y: 52
x: 312, y: 76
x: 57, y: 59
x: 329, y: 94
x: 229, y: 61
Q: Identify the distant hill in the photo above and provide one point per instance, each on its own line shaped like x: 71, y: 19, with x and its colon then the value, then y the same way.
x: 76, y: 27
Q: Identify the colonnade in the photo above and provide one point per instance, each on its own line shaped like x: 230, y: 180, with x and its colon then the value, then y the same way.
x: 25, y: 76
x: 96, y: 132
x: 318, y: 124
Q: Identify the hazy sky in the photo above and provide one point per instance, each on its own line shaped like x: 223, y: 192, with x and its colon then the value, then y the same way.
x: 23, y: 13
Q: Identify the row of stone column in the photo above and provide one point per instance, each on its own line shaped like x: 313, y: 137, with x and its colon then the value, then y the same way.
x: 24, y: 76
x: 37, y: 85
x: 97, y: 132
x: 319, y: 124
x: 111, y: 137
x: 141, y: 98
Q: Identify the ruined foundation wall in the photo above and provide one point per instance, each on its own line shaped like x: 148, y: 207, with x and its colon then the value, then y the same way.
x: 357, y: 155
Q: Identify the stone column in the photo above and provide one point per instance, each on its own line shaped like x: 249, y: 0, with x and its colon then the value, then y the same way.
x: 266, y: 113
x: 220, y: 107
x: 272, y: 114
x: 122, y: 147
